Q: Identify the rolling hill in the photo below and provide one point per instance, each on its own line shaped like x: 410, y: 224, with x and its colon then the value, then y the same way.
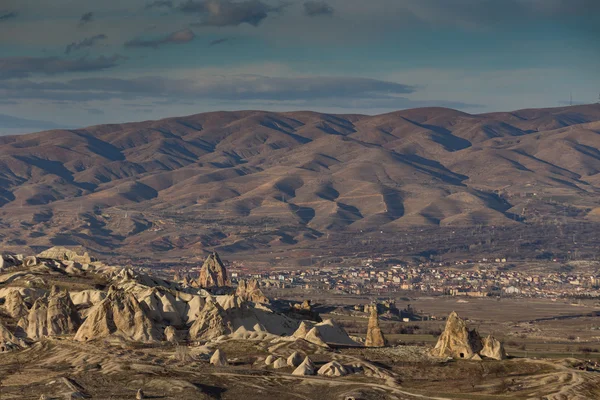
x: 256, y: 180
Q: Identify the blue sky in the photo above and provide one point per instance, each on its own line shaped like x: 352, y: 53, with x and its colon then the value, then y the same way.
x: 83, y: 62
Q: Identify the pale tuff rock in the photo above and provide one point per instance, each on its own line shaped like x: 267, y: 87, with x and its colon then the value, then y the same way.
x: 170, y: 334
x: 280, y: 363
x: 51, y: 316
x: 225, y: 315
x: 140, y: 395
x: 218, y: 359
x: 302, y: 330
x: 64, y: 254
x: 210, y: 323
x: 250, y: 291
x: 119, y: 314
x: 213, y: 273
x: 493, y: 348
x: 295, y: 359
x: 314, y: 336
x: 30, y: 261
x: 270, y: 359
x: 15, y: 305
x: 375, y: 337
x: 457, y: 340
x: 304, y: 306
x: 333, y: 368
x: 8, y: 341
x: 307, y: 367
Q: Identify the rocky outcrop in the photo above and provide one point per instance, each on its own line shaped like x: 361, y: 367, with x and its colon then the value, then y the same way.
x: 218, y: 359
x: 64, y: 254
x: 250, y: 291
x: 295, y: 359
x: 314, y: 336
x: 171, y: 334
x: 375, y: 337
x: 270, y: 359
x: 211, y: 322
x: 8, y: 341
x: 280, y: 363
x: 307, y: 367
x: 493, y: 348
x: 51, y: 315
x: 140, y: 395
x: 15, y: 305
x: 118, y: 314
x: 333, y: 369
x: 457, y: 340
x: 213, y: 273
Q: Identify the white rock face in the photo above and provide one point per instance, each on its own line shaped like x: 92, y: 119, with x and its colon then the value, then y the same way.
x: 119, y: 314
x: 51, y: 315
x: 307, y: 367
x: 333, y: 369
x: 270, y: 359
x: 295, y: 359
x: 218, y: 359
x: 280, y: 363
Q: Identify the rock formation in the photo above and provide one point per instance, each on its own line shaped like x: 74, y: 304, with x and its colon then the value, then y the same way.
x: 250, y: 291
x: 307, y: 367
x: 213, y: 273
x: 8, y: 341
x: 333, y: 368
x: 493, y: 348
x: 218, y: 359
x: 51, y: 315
x: 64, y: 254
x: 170, y: 334
x: 14, y: 305
x: 210, y: 323
x: 118, y: 314
x: 140, y: 395
x: 280, y: 363
x: 295, y: 359
x: 375, y: 337
x: 314, y: 336
x: 270, y: 359
x: 457, y: 340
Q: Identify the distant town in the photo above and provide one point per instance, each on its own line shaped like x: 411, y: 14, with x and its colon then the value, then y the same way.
x: 496, y: 277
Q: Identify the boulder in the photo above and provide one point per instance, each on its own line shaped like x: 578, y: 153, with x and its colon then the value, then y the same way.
x: 457, y: 340
x: 270, y: 359
x: 280, y: 363
x: 295, y: 359
x: 218, y: 359
x: 375, y: 337
x: 332, y: 369
x: 250, y: 291
x: 118, y: 314
x: 140, y: 395
x: 213, y: 273
x: 493, y: 348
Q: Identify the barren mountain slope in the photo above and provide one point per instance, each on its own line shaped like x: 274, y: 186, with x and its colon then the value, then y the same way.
x: 254, y: 179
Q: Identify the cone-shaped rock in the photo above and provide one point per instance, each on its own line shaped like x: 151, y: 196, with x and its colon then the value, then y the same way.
x: 270, y: 359
x: 170, y: 334
x: 457, y: 340
x: 294, y: 359
x: 280, y: 363
x: 333, y: 368
x: 8, y: 341
x: 213, y: 272
x: 314, y: 336
x: 493, y: 348
x: 51, y: 316
x: 218, y: 359
x: 210, y: 322
x: 375, y: 337
x: 14, y: 305
x: 118, y: 314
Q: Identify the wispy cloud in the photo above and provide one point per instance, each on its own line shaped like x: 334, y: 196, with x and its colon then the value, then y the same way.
x: 159, y: 4
x: 180, y: 37
x: 86, y: 18
x: 8, y: 15
x: 217, y: 42
x: 87, y: 42
x: 316, y: 8
x: 228, y: 13
x: 24, y: 67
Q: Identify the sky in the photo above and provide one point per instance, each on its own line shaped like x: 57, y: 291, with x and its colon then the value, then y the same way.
x: 74, y: 63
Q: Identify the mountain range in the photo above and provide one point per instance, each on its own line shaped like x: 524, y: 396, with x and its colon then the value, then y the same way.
x: 255, y: 179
